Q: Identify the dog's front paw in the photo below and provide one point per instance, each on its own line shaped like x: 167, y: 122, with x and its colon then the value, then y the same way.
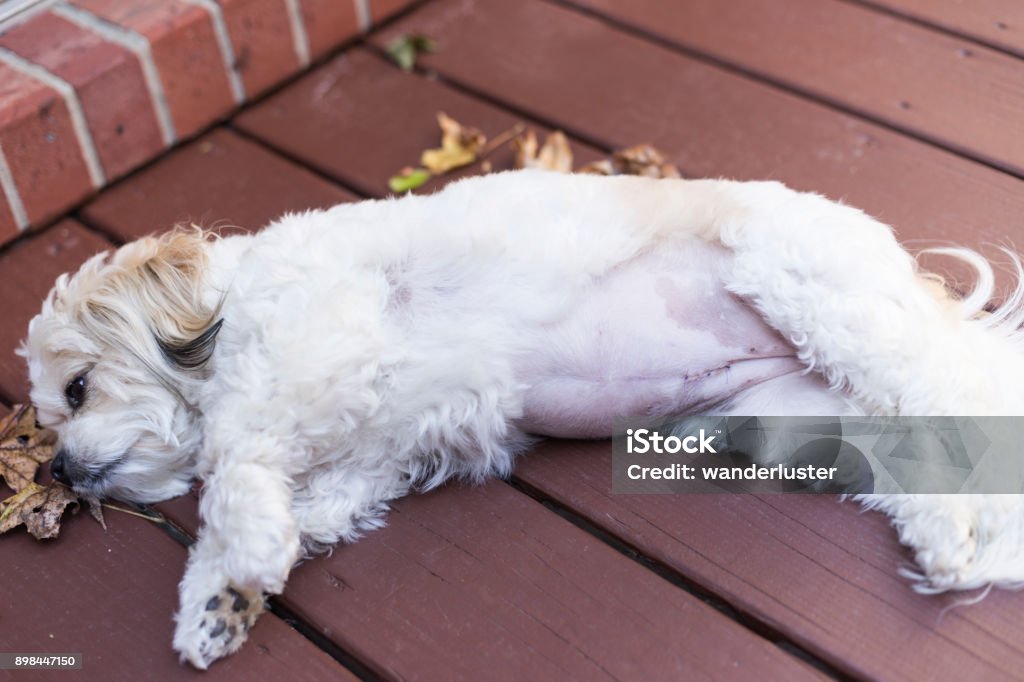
x: 210, y: 629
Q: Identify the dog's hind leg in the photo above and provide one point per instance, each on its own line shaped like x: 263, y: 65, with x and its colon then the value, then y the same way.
x: 839, y: 287
x: 851, y: 301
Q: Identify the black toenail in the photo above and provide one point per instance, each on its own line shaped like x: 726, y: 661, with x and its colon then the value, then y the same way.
x: 220, y: 627
x: 213, y: 603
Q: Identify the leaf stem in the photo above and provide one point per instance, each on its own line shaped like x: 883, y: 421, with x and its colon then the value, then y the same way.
x: 154, y: 519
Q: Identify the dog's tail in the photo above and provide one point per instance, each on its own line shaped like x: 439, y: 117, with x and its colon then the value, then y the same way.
x: 982, y: 304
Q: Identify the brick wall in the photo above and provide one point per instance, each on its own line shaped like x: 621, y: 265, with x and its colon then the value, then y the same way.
x: 91, y: 89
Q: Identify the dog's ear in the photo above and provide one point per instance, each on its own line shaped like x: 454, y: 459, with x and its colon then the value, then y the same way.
x: 158, y: 284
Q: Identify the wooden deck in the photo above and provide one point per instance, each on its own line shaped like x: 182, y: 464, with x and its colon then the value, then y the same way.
x: 910, y: 109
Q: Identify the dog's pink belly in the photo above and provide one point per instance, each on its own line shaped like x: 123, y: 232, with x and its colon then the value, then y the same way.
x: 657, y: 336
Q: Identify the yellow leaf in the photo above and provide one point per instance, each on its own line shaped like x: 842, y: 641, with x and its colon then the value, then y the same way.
x: 459, y: 146
x: 439, y: 161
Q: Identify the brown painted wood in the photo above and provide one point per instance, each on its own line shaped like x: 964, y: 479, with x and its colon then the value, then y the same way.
x: 612, y: 87
x: 110, y: 596
x: 27, y: 273
x: 360, y: 119
x: 819, y: 570
x: 944, y: 88
x: 470, y: 583
x: 220, y: 180
x: 999, y: 23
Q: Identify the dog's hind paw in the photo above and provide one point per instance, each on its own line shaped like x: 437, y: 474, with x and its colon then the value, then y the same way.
x: 960, y: 542
x: 217, y: 627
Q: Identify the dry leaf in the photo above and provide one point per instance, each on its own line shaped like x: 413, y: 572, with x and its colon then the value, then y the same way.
x: 459, y: 146
x: 555, y: 155
x: 404, y: 50
x: 642, y: 160
x: 23, y: 447
x: 39, y: 508
x: 96, y: 510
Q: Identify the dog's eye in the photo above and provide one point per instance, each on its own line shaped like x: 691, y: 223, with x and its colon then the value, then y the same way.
x: 75, y: 392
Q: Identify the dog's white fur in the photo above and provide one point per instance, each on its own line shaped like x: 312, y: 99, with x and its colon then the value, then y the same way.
x: 383, y: 345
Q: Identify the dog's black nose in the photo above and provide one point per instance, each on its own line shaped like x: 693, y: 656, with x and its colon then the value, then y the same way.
x: 57, y: 468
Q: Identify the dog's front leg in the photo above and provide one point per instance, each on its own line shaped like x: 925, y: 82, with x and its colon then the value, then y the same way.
x: 246, y: 547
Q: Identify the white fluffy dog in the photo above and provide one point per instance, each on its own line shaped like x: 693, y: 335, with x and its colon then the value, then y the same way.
x: 314, y: 371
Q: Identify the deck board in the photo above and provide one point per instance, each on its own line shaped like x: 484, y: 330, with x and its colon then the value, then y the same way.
x: 243, y: 187
x: 951, y: 90
x: 999, y: 23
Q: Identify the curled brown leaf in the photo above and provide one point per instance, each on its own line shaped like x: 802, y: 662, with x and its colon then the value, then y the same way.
x: 642, y: 159
x: 554, y: 155
x: 38, y: 507
x: 23, y: 447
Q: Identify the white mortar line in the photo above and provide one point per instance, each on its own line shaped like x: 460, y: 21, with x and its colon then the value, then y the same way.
x: 11, y: 192
x: 220, y: 30
x: 363, y: 15
x: 137, y: 44
x: 299, y: 38
x: 85, y: 141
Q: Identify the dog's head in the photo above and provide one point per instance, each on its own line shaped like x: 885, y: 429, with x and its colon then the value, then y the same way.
x: 115, y: 358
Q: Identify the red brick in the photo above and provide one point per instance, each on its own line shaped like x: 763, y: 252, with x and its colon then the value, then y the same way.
x: 328, y: 24
x: 40, y: 146
x: 27, y: 273
x: 219, y: 180
x: 383, y: 9
x: 109, y: 83
x: 185, y: 51
x: 261, y: 37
